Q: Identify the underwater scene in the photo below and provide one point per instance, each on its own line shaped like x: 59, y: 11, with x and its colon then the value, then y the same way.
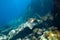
x: 29, y: 19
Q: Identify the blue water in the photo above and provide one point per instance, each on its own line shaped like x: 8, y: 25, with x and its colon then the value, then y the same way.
x: 12, y: 9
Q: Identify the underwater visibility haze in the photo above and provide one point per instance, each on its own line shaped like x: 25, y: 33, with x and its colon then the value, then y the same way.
x: 12, y: 9
x: 29, y: 20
